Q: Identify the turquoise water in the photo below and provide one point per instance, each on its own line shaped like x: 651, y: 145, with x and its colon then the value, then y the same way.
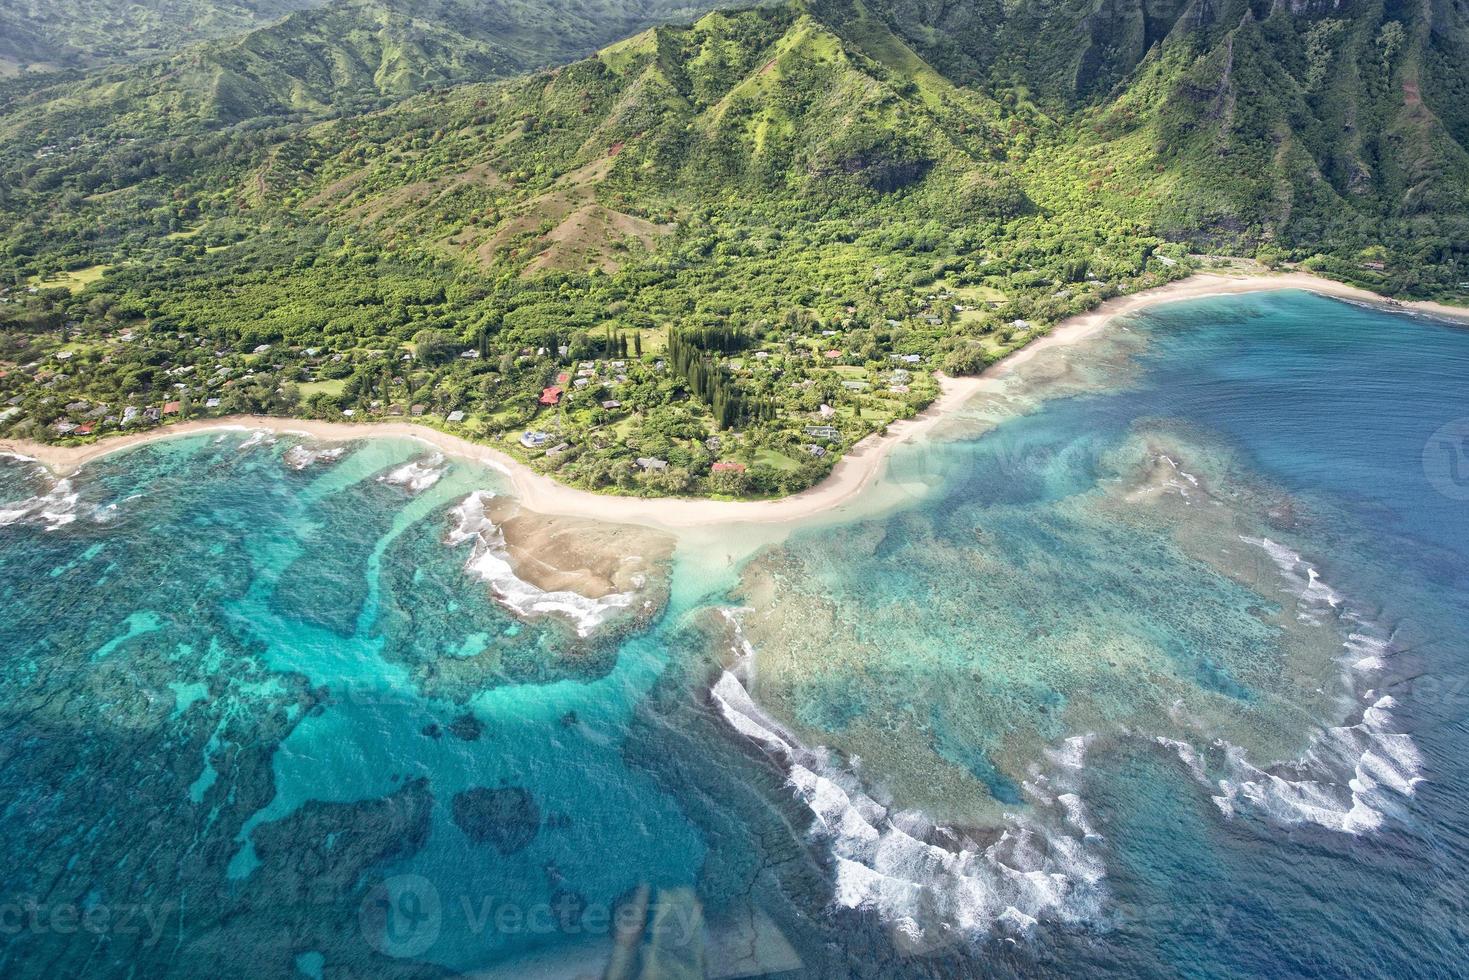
x: 1156, y: 667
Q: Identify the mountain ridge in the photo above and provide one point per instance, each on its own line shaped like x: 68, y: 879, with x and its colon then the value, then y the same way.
x: 341, y: 57
x: 37, y: 36
x: 799, y: 179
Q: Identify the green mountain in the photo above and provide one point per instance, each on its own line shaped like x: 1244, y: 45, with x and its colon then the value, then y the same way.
x: 828, y: 184
x: 1306, y: 125
x: 349, y: 55
x: 1231, y: 125
x: 36, y: 35
x: 1298, y: 129
x: 770, y: 107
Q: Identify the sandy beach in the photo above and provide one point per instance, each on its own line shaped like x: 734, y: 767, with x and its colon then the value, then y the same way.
x: 858, y: 469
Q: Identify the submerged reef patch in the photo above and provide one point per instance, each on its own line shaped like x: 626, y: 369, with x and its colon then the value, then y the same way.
x: 506, y: 817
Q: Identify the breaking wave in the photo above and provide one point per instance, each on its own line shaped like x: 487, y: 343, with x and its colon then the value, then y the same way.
x: 55, y: 509
x: 1183, y: 481
x: 302, y: 456
x: 932, y: 884
x: 258, y: 437
x: 1352, y: 777
x: 107, y: 513
x: 417, y: 476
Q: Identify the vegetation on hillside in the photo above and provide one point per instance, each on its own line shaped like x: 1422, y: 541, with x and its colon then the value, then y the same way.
x: 45, y: 35
x: 748, y: 242
x: 1331, y: 131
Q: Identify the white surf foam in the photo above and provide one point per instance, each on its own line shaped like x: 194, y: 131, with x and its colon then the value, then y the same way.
x: 1366, y: 653
x: 258, y: 437
x: 1071, y: 753
x: 1190, y: 482
x: 1352, y: 777
x: 490, y: 562
x: 417, y: 476
x: 107, y: 513
x: 56, y: 508
x: 1314, y: 598
x: 1188, y: 755
x: 301, y: 456
x: 886, y: 861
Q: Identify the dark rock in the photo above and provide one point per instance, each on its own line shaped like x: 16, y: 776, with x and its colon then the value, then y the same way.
x: 467, y: 728
x: 506, y: 817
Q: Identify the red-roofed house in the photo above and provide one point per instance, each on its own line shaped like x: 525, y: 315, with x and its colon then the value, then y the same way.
x: 724, y: 466
x: 85, y: 429
x: 833, y: 354
x: 562, y: 378
x: 172, y: 408
x: 551, y: 395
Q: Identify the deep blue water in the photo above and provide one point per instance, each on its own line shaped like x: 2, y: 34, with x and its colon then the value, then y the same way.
x: 1359, y: 415
x: 244, y: 709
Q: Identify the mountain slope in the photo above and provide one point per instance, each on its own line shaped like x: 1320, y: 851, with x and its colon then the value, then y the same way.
x: 563, y: 170
x: 758, y: 215
x: 1298, y: 125
x: 1305, y: 132
x: 755, y: 166
x: 38, y: 35
x: 1232, y: 125
x: 349, y: 55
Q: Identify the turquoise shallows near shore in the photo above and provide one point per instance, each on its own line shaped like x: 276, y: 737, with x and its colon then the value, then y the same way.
x: 1155, y: 661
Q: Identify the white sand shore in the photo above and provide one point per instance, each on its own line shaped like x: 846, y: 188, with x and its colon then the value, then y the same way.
x: 858, y: 469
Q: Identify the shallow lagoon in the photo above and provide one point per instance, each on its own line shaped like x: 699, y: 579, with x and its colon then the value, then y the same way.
x: 1018, y: 714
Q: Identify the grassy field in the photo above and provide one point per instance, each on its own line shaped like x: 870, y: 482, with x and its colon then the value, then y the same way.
x: 775, y: 460
x: 971, y: 295
x: 333, y: 388
x: 655, y: 339
x: 74, y: 280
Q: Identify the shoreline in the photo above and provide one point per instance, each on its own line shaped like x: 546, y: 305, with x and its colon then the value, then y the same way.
x: 861, y: 466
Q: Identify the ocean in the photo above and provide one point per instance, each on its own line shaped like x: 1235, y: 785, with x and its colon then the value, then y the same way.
x: 1152, y: 662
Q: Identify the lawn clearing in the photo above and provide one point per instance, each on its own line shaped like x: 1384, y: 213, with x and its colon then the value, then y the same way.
x: 74, y: 280
x: 333, y: 387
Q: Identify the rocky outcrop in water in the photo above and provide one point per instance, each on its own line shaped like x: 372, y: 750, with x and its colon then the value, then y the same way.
x: 506, y: 817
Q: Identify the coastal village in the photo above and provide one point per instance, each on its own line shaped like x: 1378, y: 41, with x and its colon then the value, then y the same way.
x: 712, y: 403
x: 601, y: 410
